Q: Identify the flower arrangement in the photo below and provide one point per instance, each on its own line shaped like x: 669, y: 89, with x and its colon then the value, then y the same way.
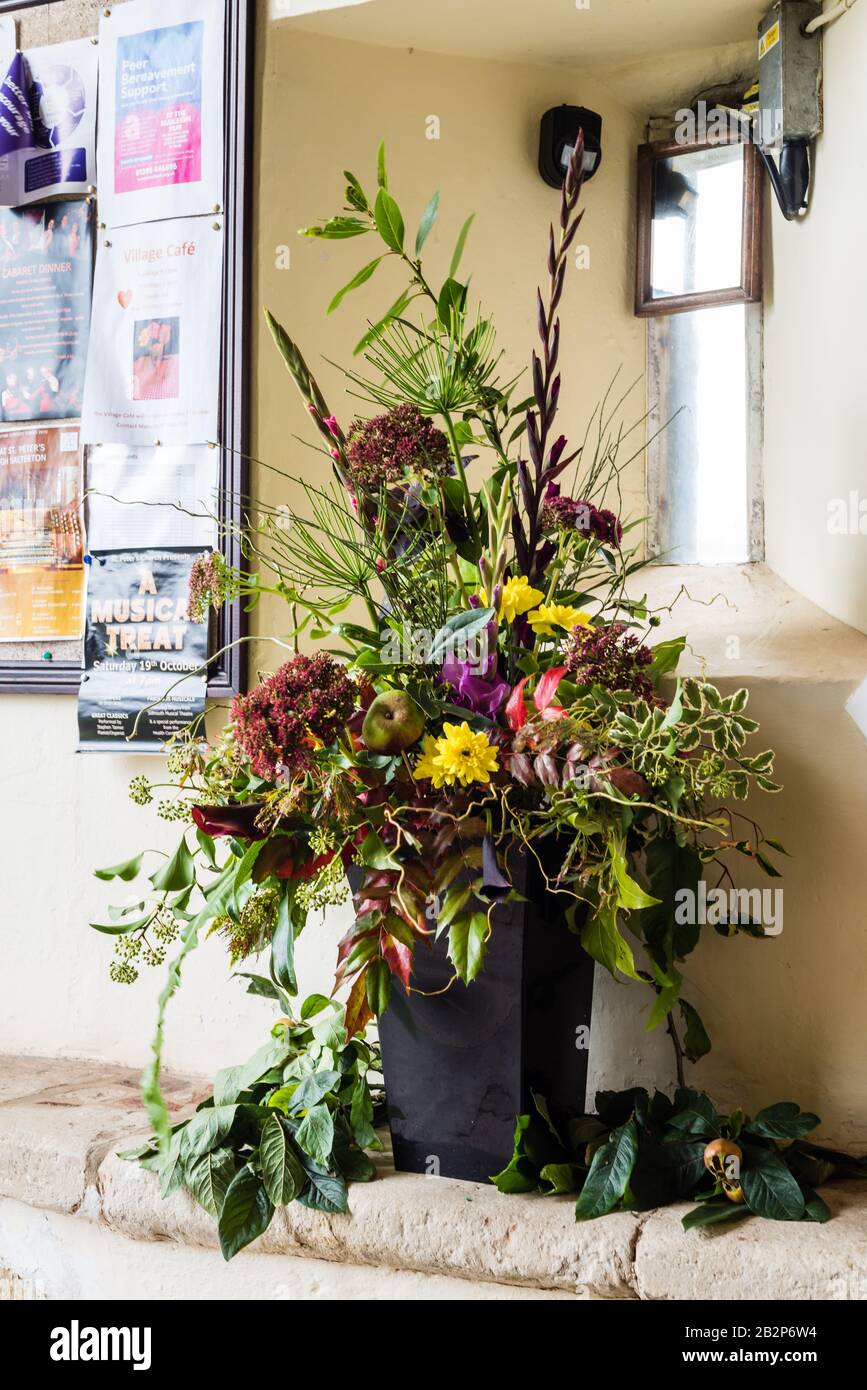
x: 483, y: 685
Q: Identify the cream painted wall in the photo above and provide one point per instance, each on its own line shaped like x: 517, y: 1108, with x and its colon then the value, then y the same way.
x: 325, y: 105
x: 815, y: 401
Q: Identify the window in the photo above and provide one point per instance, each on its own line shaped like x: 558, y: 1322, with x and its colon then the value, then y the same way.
x: 699, y: 283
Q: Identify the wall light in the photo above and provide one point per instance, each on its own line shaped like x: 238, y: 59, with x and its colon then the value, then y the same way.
x: 560, y: 127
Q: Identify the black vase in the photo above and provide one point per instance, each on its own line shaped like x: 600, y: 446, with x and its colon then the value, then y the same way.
x: 460, y: 1066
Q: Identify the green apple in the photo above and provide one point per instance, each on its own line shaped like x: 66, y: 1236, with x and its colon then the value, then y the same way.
x: 393, y: 722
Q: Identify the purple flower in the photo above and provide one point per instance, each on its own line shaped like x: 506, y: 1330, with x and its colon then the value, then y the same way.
x: 610, y: 656
x: 483, y: 694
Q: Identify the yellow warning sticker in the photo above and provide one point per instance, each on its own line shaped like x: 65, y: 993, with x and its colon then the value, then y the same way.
x: 769, y: 40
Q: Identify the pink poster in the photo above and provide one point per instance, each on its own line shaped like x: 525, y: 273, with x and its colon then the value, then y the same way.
x: 160, y: 137
x: 158, y: 111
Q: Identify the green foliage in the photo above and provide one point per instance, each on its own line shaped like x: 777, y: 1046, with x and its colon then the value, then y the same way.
x: 643, y: 1151
x: 291, y: 1124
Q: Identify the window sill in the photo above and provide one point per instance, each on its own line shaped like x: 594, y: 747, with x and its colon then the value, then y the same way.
x: 744, y: 623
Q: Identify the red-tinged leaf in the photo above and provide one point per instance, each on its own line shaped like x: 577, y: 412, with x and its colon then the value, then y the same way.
x: 349, y: 940
x: 516, y: 710
x: 399, y: 959
x: 553, y: 712
x: 358, y: 1012
x: 543, y: 695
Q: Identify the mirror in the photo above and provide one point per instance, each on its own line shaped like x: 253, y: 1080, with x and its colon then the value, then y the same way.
x: 699, y: 227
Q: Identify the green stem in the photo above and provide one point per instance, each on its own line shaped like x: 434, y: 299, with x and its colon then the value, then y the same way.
x: 462, y: 476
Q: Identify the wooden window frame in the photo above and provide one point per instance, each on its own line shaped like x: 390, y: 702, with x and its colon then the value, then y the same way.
x: 750, y: 289
x: 227, y: 672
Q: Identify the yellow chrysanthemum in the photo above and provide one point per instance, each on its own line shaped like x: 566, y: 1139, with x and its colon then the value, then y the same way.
x: 463, y: 756
x: 552, y: 615
x: 428, y: 767
x: 518, y: 598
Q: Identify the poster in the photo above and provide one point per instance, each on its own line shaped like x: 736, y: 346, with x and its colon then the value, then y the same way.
x: 160, y: 110
x: 45, y: 285
x: 151, y: 497
x: 48, y: 122
x: 154, y: 366
x: 41, y: 542
x: 142, y: 654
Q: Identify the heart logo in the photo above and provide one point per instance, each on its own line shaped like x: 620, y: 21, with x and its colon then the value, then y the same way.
x: 124, y: 298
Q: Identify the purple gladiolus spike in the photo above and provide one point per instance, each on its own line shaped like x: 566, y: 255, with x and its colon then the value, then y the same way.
x: 538, y: 383
x: 542, y: 320
x: 556, y: 450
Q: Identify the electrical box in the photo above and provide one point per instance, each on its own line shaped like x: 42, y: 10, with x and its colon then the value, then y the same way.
x: 790, y: 74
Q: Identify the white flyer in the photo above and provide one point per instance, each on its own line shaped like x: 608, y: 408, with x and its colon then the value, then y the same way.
x: 153, y: 367
x: 48, y: 123
x: 140, y: 499
x: 161, y: 135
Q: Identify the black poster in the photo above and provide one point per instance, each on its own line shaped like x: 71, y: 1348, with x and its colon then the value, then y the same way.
x: 143, y: 657
x: 46, y: 275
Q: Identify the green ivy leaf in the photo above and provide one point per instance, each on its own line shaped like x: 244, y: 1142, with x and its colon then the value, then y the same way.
x: 816, y: 1207
x: 208, y: 1178
x: 467, y: 939
x: 313, y: 1089
x: 378, y: 985
x: 231, y: 1081
x: 282, y: 1173
x: 714, y: 1214
x: 696, y: 1043
x: 666, y: 656
x: 361, y: 1115
x: 206, y: 1130
x: 122, y: 928
x: 562, y: 1177
x: 324, y: 1191
x: 179, y: 871
x: 769, y: 1188
x: 609, y: 1173
x: 785, y: 1120
x: 246, y: 1212
x: 602, y: 941
x: 315, y: 1134
x: 283, y: 946
x: 127, y: 871
x: 373, y: 854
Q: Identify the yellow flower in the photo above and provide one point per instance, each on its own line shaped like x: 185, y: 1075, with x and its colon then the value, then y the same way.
x: 463, y: 756
x: 518, y: 598
x: 551, y: 615
x: 428, y: 766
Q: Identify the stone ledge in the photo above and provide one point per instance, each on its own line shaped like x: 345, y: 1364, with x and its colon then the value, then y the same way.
x: 781, y: 635
x: 57, y: 1153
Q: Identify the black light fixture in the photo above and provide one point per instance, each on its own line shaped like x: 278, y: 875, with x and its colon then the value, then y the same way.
x: 557, y: 137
